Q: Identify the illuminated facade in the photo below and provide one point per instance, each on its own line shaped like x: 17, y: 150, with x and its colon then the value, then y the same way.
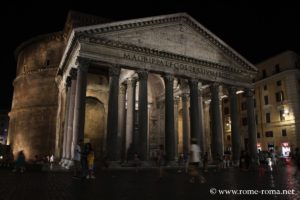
x: 131, y: 86
x: 277, y: 93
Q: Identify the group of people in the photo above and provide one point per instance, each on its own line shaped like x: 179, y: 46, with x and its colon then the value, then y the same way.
x: 84, y: 158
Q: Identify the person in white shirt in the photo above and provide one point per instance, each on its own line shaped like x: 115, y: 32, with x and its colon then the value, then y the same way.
x: 194, y: 160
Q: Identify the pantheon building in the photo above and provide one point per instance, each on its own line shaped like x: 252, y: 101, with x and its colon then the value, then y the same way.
x: 129, y: 86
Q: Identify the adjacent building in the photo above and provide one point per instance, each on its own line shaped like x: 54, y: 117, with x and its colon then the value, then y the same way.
x: 3, y: 126
x: 277, y: 108
x: 277, y: 94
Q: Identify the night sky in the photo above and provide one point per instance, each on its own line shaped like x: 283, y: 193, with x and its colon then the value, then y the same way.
x: 255, y: 31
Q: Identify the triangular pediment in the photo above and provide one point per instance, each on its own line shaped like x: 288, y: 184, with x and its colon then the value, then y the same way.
x: 178, y: 34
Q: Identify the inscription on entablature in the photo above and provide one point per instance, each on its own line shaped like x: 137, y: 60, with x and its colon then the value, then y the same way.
x: 176, y: 66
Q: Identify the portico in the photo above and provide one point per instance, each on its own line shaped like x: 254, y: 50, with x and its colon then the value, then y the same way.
x: 153, y: 78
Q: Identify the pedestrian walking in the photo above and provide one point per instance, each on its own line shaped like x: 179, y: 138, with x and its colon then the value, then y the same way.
x: 194, y: 162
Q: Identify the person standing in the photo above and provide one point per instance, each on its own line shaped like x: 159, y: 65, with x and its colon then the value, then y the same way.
x: 20, y: 162
x: 77, y: 158
x: 90, y: 161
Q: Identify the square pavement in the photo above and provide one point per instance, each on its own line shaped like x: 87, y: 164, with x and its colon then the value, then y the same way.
x: 126, y: 184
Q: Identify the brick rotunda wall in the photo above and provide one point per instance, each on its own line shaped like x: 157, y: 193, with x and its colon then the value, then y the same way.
x: 34, y: 106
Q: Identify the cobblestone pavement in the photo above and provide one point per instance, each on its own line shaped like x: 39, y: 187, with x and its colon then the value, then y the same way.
x: 145, y: 185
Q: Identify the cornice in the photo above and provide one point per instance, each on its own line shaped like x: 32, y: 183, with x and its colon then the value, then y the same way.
x: 84, y: 38
x: 291, y: 72
x: 47, y: 37
x: 32, y: 72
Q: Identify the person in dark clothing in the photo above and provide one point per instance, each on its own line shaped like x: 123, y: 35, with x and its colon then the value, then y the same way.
x: 20, y: 162
x: 84, y: 163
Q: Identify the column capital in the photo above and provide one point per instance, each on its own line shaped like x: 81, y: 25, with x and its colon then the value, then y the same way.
x: 215, y: 85
x: 83, y: 63
x: 114, y: 70
x: 168, y: 77
x: 73, y: 73
x: 232, y: 90
x: 143, y: 74
x: 249, y: 92
x: 185, y: 97
x: 193, y: 82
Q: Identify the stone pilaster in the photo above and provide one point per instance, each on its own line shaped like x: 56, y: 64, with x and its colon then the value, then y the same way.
x: 176, y: 103
x: 68, y: 97
x: 121, y: 121
x: 131, y: 86
x: 185, y: 123
x: 73, y: 74
x: 201, y: 121
x: 251, y: 126
x: 194, y: 110
x: 169, y: 118
x: 143, y: 114
x: 79, y: 106
x: 216, y: 122
x: 112, y: 118
x: 235, y: 133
